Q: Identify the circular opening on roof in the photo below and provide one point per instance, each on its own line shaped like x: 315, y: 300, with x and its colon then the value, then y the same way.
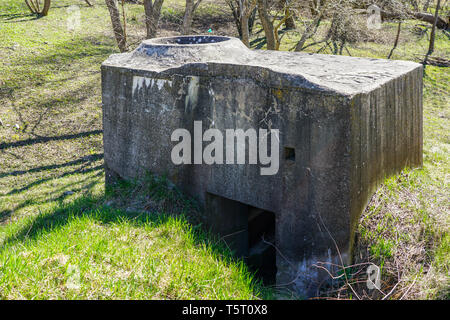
x: 183, y: 40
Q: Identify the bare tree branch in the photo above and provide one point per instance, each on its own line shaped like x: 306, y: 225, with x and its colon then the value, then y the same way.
x: 116, y: 24
x: 152, y: 10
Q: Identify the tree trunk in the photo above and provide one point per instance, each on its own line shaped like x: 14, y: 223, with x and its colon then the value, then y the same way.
x: 433, y: 32
x: 35, y: 7
x: 310, y: 30
x: 152, y: 9
x: 263, y: 10
x: 426, y: 17
x: 235, y: 9
x: 246, y: 8
x: 245, y: 31
x: 117, y: 26
x: 191, y: 6
x: 46, y: 8
x: 187, y: 19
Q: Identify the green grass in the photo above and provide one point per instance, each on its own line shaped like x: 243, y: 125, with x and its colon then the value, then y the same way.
x: 80, y: 251
x: 62, y: 236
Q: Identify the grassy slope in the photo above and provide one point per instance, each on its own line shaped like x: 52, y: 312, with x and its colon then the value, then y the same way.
x: 86, y: 251
x: 405, y: 227
x: 55, y: 222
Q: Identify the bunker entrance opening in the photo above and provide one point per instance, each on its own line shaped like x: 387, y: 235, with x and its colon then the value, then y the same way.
x: 261, y: 244
x: 248, y: 231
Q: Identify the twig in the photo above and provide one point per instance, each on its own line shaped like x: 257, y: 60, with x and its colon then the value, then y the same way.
x: 390, y: 292
x: 340, y: 257
x: 409, y: 288
x: 396, y: 40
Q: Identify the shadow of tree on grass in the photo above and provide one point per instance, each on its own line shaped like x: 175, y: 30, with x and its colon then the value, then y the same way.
x: 94, y: 208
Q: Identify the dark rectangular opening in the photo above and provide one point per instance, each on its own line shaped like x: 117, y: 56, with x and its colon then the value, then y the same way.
x: 289, y: 153
x: 248, y: 231
x: 261, y: 243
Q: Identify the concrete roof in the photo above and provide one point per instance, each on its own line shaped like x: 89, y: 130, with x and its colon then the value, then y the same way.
x: 341, y: 75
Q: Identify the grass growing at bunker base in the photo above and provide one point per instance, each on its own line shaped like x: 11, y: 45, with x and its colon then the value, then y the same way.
x: 63, y: 236
x: 82, y: 250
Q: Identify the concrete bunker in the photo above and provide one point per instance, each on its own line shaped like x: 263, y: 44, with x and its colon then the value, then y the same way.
x: 344, y: 124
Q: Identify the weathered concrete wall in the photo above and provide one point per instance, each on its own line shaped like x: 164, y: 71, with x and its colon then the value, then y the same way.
x: 351, y: 121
